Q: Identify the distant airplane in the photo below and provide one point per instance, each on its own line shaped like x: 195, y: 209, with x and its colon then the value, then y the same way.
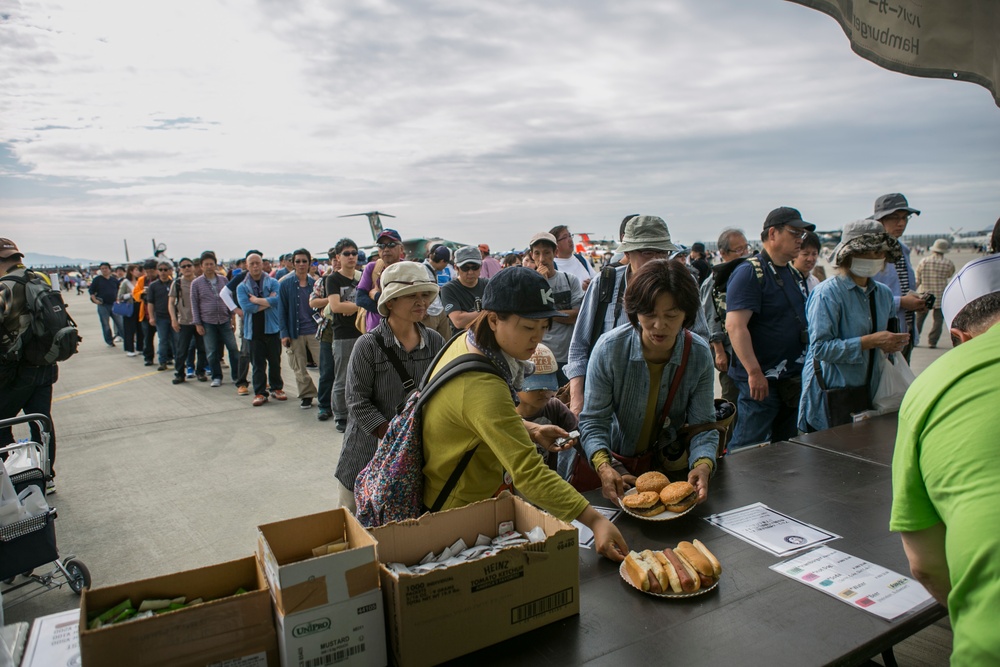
x: 975, y: 239
x: 416, y: 248
x: 831, y: 238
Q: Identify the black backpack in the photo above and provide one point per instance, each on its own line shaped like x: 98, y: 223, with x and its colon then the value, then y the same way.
x: 46, y: 333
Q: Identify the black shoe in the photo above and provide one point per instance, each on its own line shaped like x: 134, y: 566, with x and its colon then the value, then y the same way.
x: 147, y: 363
x: 306, y: 403
x: 161, y: 367
x: 341, y: 425
x: 178, y: 380
x: 324, y: 415
x: 202, y: 377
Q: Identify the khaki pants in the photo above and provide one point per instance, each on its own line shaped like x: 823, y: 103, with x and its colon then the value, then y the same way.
x: 439, y: 323
x: 346, y: 497
x: 297, y: 360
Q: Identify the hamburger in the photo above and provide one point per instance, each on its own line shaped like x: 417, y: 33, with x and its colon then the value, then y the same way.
x: 651, y: 481
x: 646, y: 503
x: 678, y: 497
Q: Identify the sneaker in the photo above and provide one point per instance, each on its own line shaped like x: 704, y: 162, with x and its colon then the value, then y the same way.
x: 148, y: 363
x: 341, y: 425
x: 202, y: 377
x: 190, y: 372
x: 131, y: 354
x: 161, y: 367
x: 111, y: 344
x: 311, y: 366
x: 324, y: 415
x: 50, y: 487
x: 178, y: 380
x: 259, y: 400
x: 207, y: 371
x: 306, y: 403
x: 279, y: 395
x: 216, y: 382
x: 242, y: 391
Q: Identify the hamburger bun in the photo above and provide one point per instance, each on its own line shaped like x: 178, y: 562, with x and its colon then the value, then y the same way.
x: 651, y: 481
x: 678, y: 497
x: 644, y: 504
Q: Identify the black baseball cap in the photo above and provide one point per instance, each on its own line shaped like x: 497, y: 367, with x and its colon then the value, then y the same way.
x: 786, y: 215
x: 520, y: 291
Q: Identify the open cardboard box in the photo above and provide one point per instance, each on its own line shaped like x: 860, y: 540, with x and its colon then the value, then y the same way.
x: 235, y: 629
x: 327, y: 608
x: 449, y: 612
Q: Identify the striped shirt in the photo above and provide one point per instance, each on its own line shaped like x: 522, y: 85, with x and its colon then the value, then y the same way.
x: 933, y: 273
x: 374, y: 391
x: 207, y: 306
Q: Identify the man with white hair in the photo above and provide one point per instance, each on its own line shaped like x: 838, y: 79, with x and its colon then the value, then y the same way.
x: 946, y: 467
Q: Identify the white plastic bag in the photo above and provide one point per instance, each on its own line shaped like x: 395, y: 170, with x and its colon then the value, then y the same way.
x: 10, y: 506
x: 32, y: 501
x: 896, y: 379
x: 23, y: 458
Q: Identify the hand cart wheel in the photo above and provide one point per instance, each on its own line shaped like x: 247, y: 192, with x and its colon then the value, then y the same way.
x: 79, y: 575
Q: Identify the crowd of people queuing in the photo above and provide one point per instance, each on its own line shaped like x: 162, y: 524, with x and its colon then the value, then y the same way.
x: 625, y: 352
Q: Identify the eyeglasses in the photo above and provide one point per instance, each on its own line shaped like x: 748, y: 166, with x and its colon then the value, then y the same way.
x: 739, y: 250
x: 348, y: 253
x: 187, y: 266
x: 896, y: 217
x: 652, y: 254
x: 469, y: 267
x: 567, y: 237
x: 300, y: 261
x: 387, y: 246
x: 796, y: 232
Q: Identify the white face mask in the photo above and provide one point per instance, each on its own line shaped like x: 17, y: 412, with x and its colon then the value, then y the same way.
x: 866, y: 268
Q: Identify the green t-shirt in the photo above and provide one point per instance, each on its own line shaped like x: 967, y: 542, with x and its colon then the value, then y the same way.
x: 946, y: 468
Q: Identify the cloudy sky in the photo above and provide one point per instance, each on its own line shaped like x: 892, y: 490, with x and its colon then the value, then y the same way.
x: 226, y: 125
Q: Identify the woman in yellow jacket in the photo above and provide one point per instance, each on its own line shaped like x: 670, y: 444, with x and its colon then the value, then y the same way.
x: 477, y: 410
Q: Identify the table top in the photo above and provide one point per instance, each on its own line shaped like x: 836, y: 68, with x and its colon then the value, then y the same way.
x: 869, y: 440
x: 755, y: 612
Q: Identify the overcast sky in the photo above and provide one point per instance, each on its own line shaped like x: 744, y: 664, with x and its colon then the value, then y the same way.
x: 228, y: 125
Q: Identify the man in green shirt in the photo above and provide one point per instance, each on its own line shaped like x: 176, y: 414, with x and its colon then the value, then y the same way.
x: 946, y: 467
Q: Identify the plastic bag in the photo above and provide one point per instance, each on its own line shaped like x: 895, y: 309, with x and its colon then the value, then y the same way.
x: 895, y: 380
x: 23, y: 458
x: 33, y: 502
x: 10, y: 506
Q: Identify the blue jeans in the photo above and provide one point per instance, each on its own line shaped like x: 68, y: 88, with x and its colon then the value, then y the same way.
x: 217, y: 335
x: 104, y: 314
x: 770, y: 420
x: 165, y: 333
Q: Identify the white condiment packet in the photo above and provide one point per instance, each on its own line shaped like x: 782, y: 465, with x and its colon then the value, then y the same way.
x: 443, y: 556
x: 458, y: 546
x: 399, y: 568
x: 428, y: 558
x: 512, y: 543
x: 455, y: 561
x: 505, y: 527
x: 483, y: 540
x: 536, y: 534
x: 503, y: 537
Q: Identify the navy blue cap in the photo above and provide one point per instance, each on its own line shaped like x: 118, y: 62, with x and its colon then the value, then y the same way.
x: 520, y: 291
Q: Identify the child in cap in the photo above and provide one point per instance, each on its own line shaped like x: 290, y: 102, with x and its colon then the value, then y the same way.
x: 540, y: 406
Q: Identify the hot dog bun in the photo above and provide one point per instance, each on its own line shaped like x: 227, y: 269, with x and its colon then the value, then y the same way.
x: 688, y: 581
x: 696, y: 558
x: 675, y: 583
x: 692, y: 573
x: 651, y: 481
x: 645, y: 572
x: 659, y: 582
x: 716, y: 565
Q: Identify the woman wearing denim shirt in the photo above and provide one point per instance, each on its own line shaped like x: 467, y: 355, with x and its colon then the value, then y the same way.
x: 838, y: 313
x: 620, y: 412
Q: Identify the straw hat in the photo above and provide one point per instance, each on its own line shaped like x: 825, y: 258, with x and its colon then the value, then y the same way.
x: 404, y: 278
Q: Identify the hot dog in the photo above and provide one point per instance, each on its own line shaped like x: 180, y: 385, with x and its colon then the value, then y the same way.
x: 672, y: 578
x: 688, y: 580
x: 716, y: 565
x: 645, y: 572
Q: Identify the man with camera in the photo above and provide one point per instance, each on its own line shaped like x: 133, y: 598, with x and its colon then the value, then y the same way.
x: 766, y: 322
x: 299, y: 323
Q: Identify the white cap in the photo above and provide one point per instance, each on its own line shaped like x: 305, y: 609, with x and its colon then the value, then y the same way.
x: 975, y: 279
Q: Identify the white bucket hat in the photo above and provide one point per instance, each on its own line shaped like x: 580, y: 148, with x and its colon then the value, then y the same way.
x: 404, y: 278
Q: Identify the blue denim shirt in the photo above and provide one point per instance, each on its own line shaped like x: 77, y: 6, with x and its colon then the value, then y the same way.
x: 272, y: 318
x: 579, y: 346
x: 618, y: 385
x: 839, y: 314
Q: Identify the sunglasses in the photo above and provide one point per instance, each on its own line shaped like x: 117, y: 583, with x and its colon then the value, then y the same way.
x: 301, y: 261
x: 469, y: 267
x: 388, y: 246
x: 187, y: 266
x: 347, y: 253
x: 163, y: 270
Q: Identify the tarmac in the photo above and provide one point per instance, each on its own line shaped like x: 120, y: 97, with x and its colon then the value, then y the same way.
x: 154, y: 478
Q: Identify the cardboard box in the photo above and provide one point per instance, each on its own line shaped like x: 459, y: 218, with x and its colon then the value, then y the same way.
x: 328, y: 609
x: 235, y: 629
x: 447, y: 613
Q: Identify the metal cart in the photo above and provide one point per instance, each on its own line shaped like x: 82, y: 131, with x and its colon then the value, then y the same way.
x: 30, y: 544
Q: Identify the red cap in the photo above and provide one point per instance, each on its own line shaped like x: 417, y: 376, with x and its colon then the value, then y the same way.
x: 484, y: 248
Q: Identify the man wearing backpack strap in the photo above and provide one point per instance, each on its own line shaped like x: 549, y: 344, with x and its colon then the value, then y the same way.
x: 24, y: 385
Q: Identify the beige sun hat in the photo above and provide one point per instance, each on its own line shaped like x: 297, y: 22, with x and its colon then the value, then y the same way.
x: 404, y: 278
